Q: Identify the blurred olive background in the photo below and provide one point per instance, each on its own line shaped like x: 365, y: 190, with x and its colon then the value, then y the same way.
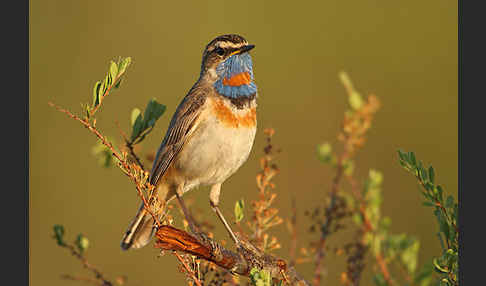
x: 405, y: 52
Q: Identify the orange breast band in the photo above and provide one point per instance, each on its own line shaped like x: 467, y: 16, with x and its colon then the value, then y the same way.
x: 238, y: 79
x: 230, y: 119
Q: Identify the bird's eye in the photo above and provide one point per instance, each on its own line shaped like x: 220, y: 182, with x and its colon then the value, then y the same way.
x: 219, y: 51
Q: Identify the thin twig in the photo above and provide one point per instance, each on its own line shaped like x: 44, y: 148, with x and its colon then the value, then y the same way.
x: 384, y: 269
x: 79, y: 278
x: 293, y: 239
x: 187, y: 268
x: 130, y: 145
x: 132, y: 152
x: 405, y: 274
x: 329, y: 218
x: 98, y: 274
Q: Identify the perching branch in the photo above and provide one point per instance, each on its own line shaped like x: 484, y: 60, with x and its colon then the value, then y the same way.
x: 247, y: 257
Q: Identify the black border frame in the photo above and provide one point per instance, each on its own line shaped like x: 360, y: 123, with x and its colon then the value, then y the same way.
x: 15, y: 155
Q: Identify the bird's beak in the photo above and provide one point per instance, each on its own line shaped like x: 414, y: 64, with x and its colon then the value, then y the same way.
x: 243, y: 49
x: 246, y: 48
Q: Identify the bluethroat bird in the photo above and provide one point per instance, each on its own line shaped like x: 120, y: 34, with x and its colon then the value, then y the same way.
x: 209, y: 137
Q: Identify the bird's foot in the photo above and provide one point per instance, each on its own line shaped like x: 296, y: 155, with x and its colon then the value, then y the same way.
x: 216, y: 248
x: 252, y: 255
x: 202, y: 238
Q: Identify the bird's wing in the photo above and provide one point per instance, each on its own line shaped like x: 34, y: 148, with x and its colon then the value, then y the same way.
x: 183, y: 123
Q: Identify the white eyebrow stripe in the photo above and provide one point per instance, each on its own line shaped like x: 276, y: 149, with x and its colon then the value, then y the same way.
x: 226, y: 44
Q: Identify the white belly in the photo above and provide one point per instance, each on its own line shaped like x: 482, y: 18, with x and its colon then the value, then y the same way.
x: 214, y: 152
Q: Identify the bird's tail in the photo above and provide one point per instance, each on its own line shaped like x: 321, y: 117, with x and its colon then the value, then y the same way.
x: 140, y: 231
x: 142, y: 228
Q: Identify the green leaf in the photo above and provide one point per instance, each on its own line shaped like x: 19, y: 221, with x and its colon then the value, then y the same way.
x: 379, y: 280
x: 59, y: 234
x: 355, y: 100
x: 152, y: 113
x: 439, y: 267
x: 413, y: 161
x: 358, y: 219
x: 402, y: 155
x: 101, y: 91
x: 451, y: 255
x: 88, y: 110
x: 403, y: 164
x: 385, y: 222
x: 423, y: 173
x: 440, y: 192
x: 367, y: 238
x: 444, y: 282
x: 376, y: 177
x: 428, y: 204
x: 82, y: 243
x: 103, y: 153
x: 348, y: 166
x: 345, y: 80
x: 239, y: 207
x: 349, y: 199
x: 113, y: 70
x: 449, y: 202
x: 409, y: 256
x: 117, y: 84
x: 106, y: 84
x: 419, y: 169
x: 324, y: 152
x: 137, y: 127
x: 444, y: 227
x: 260, y: 277
x: 96, y: 91
x: 431, y: 174
x: 123, y: 64
x: 135, y: 114
x: 108, y: 80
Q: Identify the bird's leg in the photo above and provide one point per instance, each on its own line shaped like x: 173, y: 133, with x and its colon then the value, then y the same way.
x: 192, y: 226
x: 214, y: 201
x: 226, y: 225
x: 202, y: 237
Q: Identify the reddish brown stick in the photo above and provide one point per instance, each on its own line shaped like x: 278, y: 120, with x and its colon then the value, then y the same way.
x: 248, y: 257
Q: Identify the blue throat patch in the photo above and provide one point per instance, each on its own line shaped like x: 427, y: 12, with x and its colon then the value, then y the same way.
x: 233, y: 74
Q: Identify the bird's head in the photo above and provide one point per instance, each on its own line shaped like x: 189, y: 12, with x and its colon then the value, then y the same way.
x: 228, y: 66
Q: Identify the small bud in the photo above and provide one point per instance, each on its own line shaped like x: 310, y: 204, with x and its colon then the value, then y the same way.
x: 82, y: 243
x: 59, y: 234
